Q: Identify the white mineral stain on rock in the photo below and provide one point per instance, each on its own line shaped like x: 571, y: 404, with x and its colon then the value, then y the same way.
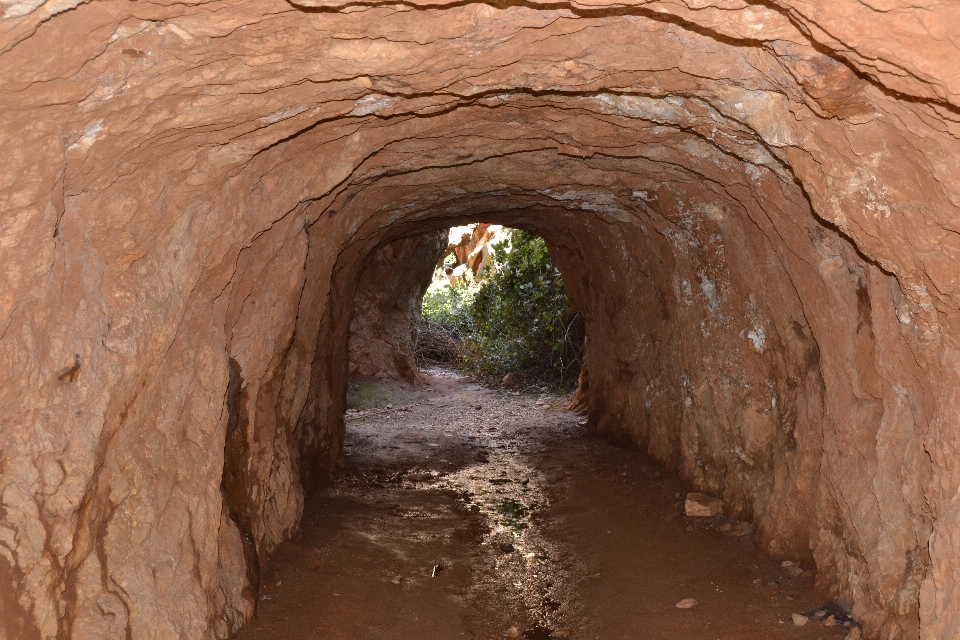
x: 89, y: 136
x: 757, y: 337
x: 709, y: 290
x: 371, y: 104
x: 283, y: 114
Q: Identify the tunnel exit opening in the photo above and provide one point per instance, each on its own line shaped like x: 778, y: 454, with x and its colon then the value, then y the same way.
x: 482, y: 298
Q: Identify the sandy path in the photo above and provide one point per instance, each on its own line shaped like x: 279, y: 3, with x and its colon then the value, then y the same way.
x: 466, y: 512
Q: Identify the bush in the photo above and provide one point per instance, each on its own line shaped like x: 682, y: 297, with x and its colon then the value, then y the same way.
x: 449, y: 306
x: 444, y: 321
x: 435, y: 343
x: 520, y: 319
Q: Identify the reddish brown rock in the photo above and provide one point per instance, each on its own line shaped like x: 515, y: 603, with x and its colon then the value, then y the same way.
x: 386, y: 307
x: 755, y: 206
x: 698, y: 505
x: 473, y: 248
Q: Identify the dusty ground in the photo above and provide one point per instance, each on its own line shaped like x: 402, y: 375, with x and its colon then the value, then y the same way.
x: 467, y: 511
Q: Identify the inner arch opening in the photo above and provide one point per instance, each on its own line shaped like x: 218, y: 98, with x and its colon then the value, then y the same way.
x: 646, y: 267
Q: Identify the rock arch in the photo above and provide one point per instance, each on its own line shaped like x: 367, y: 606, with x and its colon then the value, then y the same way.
x: 754, y: 206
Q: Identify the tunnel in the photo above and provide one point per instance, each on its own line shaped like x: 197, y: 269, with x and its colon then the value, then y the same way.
x: 754, y: 205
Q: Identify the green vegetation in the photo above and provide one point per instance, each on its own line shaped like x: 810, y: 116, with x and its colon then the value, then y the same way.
x: 516, y: 320
x: 515, y: 513
x: 448, y: 306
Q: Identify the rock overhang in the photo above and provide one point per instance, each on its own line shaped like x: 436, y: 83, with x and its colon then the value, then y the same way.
x: 783, y: 105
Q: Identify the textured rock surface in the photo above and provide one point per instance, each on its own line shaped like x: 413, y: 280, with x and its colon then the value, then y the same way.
x: 701, y: 506
x: 754, y: 205
x: 386, y: 306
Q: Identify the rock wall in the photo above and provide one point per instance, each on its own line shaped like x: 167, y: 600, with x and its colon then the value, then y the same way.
x: 386, y: 307
x: 754, y: 205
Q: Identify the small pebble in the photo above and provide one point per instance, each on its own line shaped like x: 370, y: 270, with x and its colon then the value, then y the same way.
x: 687, y: 603
x: 799, y: 620
x: 513, y: 632
x: 830, y: 622
x: 854, y: 634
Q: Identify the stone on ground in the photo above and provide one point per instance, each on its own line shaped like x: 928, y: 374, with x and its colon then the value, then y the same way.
x: 698, y: 505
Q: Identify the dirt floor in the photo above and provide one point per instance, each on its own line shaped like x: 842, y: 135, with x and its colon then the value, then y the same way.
x: 468, y: 512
